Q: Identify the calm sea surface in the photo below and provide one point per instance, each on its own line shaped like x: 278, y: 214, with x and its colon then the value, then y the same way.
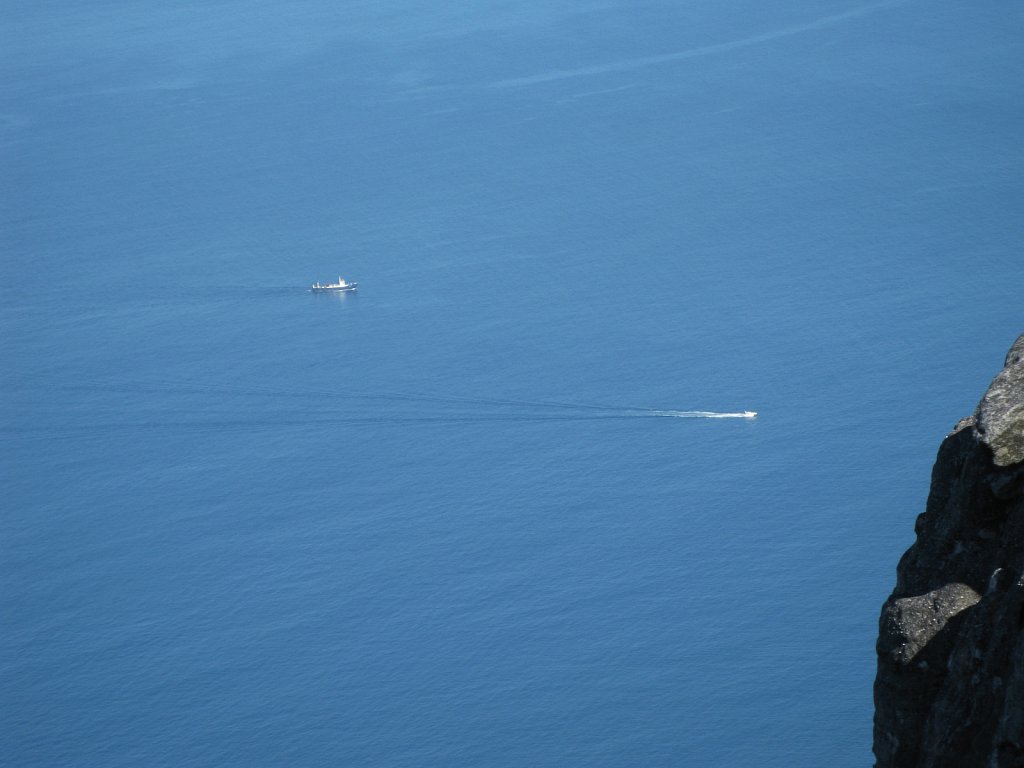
x: 447, y: 521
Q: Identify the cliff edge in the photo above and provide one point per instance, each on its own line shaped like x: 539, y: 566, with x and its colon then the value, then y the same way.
x: 950, y: 685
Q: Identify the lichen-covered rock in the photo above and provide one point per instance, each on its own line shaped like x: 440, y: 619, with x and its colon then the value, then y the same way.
x: 1000, y: 415
x: 909, y: 624
x: 950, y: 686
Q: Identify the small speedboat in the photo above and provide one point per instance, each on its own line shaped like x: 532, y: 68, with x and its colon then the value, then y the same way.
x: 341, y: 285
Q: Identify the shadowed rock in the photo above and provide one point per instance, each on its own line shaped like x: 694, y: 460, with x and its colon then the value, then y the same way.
x: 950, y: 685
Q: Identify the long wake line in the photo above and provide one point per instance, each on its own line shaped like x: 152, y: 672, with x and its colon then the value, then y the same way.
x: 485, y: 408
x: 704, y: 50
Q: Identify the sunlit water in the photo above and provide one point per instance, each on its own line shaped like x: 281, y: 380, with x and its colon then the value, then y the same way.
x: 443, y: 521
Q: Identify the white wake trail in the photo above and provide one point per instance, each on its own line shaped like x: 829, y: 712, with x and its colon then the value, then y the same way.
x: 704, y: 50
x: 707, y: 414
x: 345, y: 406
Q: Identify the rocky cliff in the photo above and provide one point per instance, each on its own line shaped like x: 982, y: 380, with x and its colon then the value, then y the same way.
x: 950, y: 683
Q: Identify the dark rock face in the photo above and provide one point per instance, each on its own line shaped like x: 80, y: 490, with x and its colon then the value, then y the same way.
x: 950, y: 686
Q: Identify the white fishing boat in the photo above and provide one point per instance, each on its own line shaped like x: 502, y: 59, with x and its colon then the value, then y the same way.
x: 341, y: 285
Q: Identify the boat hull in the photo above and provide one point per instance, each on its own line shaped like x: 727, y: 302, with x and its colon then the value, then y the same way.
x: 333, y: 289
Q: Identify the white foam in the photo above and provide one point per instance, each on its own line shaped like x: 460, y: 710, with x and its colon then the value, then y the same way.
x: 708, y: 414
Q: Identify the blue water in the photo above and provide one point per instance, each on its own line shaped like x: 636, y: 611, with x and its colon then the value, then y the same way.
x: 430, y: 524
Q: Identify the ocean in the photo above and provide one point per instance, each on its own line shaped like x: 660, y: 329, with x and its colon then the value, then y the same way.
x: 455, y: 517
